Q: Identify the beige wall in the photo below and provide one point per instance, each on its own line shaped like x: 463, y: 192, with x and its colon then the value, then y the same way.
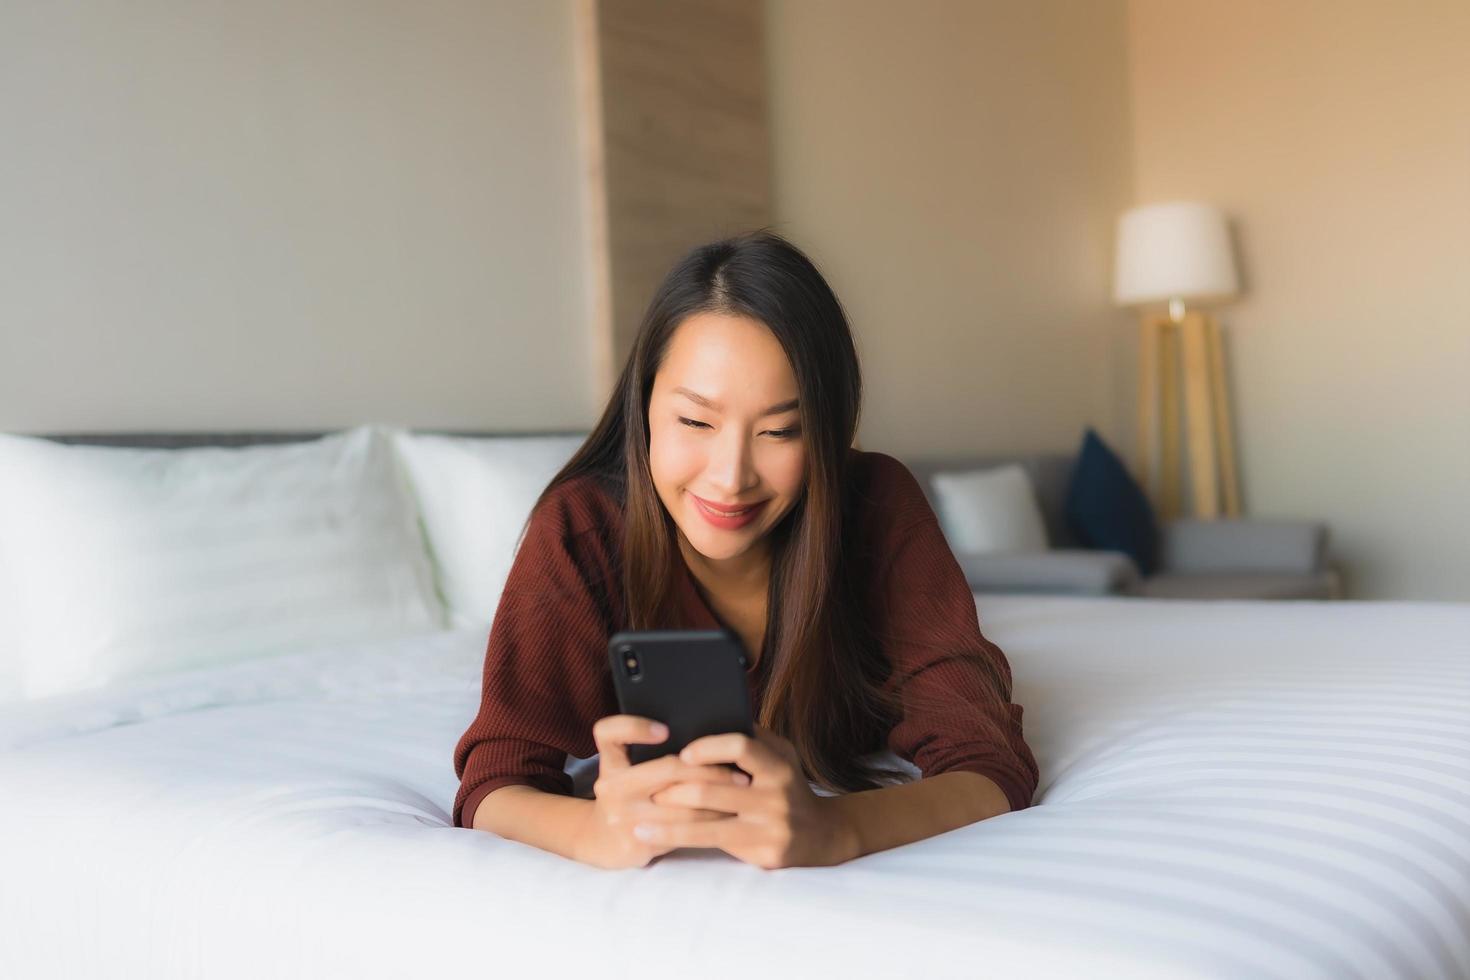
x: 293, y: 215
x: 955, y: 169
x: 1335, y: 134
x: 300, y: 216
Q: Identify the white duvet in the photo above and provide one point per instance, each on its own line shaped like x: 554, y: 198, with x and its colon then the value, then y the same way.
x: 1229, y: 789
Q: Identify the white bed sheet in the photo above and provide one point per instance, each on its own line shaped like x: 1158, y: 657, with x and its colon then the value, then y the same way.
x: 1229, y: 789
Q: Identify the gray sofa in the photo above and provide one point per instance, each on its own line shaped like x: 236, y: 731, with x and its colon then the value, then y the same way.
x: 1222, y: 559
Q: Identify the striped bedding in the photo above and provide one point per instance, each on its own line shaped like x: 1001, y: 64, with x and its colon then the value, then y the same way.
x: 1229, y: 789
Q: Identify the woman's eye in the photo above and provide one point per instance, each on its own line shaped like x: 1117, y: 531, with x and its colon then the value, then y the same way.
x: 778, y: 433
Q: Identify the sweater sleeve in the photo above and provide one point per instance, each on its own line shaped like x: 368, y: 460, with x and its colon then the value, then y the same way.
x: 954, y: 684
x: 545, y: 676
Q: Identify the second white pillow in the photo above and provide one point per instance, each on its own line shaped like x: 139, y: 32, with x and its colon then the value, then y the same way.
x: 990, y: 510
x: 474, y: 495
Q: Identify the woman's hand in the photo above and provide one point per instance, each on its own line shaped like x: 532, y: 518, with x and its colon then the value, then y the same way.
x: 623, y: 794
x: 778, y: 822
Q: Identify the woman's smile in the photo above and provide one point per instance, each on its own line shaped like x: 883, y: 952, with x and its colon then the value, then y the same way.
x: 729, y: 519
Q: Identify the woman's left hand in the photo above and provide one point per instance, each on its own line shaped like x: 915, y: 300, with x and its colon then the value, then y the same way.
x: 778, y: 822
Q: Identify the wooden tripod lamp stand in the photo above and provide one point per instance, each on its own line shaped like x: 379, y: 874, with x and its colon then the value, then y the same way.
x: 1167, y: 255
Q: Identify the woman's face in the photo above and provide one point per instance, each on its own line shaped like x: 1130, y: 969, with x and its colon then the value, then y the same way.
x: 724, y: 433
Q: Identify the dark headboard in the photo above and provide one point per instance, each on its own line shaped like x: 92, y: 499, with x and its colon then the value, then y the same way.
x: 185, y: 440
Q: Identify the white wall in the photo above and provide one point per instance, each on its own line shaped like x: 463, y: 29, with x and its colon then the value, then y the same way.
x: 1335, y: 134
x: 289, y: 215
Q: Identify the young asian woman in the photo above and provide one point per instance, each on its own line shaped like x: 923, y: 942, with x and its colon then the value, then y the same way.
x: 720, y: 488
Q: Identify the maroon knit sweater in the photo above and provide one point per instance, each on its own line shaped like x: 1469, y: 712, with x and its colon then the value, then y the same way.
x: 546, y: 678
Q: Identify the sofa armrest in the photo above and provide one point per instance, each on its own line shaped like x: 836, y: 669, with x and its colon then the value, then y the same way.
x: 1295, y: 547
x: 1074, y: 572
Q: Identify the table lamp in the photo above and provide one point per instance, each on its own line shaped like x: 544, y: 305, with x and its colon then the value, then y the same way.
x: 1170, y: 255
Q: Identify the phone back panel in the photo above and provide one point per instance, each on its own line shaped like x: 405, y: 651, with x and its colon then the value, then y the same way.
x: 691, y: 680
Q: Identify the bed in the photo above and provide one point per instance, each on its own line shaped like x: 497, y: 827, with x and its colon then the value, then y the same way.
x: 1229, y: 789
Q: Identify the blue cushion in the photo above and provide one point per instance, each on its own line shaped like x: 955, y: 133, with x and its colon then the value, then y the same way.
x: 1106, y: 509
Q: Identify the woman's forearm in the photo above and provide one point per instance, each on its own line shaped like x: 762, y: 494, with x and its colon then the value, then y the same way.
x: 874, y: 819
x: 549, y: 821
x: 894, y: 815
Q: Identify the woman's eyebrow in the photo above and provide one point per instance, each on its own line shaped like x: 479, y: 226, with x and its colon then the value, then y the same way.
x: 696, y: 397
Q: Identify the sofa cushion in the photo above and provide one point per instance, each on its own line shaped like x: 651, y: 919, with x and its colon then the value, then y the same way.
x: 1050, y: 475
x: 1240, y: 585
x: 1243, y: 545
x: 1106, y: 508
x: 989, y: 510
x: 1061, y: 571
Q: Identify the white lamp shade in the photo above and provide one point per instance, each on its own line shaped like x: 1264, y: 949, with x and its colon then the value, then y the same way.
x: 1178, y: 250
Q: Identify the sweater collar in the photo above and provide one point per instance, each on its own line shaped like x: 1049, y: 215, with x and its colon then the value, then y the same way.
x: 692, y: 605
x: 697, y: 614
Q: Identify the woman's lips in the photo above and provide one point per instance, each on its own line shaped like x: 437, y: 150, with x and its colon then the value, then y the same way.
x: 728, y: 522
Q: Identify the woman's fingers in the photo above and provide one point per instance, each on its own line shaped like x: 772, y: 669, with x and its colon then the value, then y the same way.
x: 647, y: 778
x: 706, y: 797
x: 725, y: 834
x: 614, y: 733
x: 653, y: 813
x: 763, y: 762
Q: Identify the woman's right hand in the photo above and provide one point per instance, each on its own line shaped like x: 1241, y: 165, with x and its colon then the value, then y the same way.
x: 623, y: 793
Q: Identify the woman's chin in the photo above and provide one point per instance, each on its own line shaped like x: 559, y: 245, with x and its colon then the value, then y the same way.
x: 717, y: 552
x: 716, y: 545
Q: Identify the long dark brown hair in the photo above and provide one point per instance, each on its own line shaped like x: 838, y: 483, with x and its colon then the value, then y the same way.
x: 826, y: 690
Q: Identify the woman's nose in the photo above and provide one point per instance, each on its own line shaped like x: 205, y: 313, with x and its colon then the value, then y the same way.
x: 731, y: 467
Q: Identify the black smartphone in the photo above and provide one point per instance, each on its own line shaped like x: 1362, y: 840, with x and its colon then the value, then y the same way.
x: 691, y: 680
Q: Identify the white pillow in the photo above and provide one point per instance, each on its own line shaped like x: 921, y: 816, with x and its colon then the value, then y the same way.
x: 990, y: 510
x: 119, y: 562
x: 474, y: 496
